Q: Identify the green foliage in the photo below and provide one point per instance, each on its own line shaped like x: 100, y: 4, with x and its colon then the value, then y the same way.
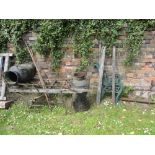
x: 127, y: 90
x: 50, y: 39
x: 11, y: 31
x: 51, y: 34
x: 22, y: 55
x: 135, y: 31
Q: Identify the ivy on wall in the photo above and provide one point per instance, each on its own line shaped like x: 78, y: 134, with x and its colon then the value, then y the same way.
x: 51, y: 34
x: 11, y: 31
x: 135, y: 31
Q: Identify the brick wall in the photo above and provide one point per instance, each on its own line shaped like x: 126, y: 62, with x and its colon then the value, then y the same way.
x: 141, y: 75
x: 69, y: 63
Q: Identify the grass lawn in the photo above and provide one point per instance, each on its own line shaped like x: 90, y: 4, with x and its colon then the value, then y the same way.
x: 103, y: 119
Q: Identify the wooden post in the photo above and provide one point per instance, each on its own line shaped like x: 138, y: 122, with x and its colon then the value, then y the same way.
x: 101, y: 70
x: 113, y: 74
x: 6, y: 64
x: 40, y: 77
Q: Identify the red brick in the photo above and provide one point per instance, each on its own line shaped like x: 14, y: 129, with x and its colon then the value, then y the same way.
x: 149, y: 56
x: 147, y: 69
x: 67, y: 69
x: 148, y: 60
x: 76, y: 62
x: 153, y: 32
x: 93, y: 80
x: 150, y: 36
x: 152, y: 42
x: 66, y: 61
x: 139, y: 64
x: 130, y: 75
x: 147, y: 41
x: 150, y: 79
x: 146, y: 33
x: 132, y: 81
x: 70, y: 61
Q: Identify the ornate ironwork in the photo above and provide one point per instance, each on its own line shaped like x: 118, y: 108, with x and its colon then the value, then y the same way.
x: 107, y: 85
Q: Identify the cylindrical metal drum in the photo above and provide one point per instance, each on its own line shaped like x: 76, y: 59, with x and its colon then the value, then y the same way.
x: 21, y: 73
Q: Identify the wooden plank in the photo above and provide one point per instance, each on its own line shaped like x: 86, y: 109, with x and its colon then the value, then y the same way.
x: 6, y: 54
x: 6, y: 63
x: 3, y: 89
x: 101, y: 70
x: 113, y: 74
x: 137, y: 100
x: 48, y: 91
x: 5, y: 104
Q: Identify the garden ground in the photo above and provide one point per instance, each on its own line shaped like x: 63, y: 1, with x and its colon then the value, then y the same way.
x: 125, y: 118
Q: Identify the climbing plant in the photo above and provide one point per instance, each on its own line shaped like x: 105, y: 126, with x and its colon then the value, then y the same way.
x: 51, y: 34
x: 135, y: 31
x: 50, y: 39
x: 11, y: 31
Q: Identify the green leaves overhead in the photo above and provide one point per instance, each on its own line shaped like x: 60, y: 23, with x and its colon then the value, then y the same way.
x: 51, y: 34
